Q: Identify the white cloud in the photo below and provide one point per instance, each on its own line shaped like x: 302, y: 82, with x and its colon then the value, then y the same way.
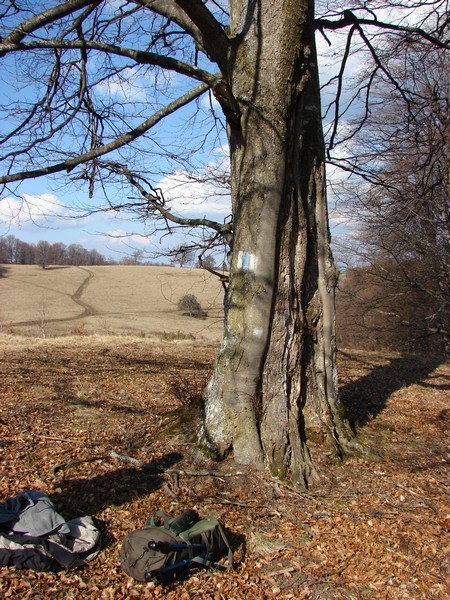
x: 127, y: 86
x: 209, y: 102
x: 133, y: 85
x: 223, y: 152
x: 40, y: 209
x: 189, y: 196
x: 120, y: 237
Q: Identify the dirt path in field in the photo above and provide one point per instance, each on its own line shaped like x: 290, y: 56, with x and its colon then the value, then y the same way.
x: 88, y: 309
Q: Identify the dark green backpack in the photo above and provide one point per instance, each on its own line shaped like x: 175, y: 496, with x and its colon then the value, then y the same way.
x: 165, y: 547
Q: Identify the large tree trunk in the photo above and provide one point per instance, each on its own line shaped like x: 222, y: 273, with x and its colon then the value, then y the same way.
x: 274, y: 383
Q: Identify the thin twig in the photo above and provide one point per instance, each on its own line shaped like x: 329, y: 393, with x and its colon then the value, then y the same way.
x: 73, y: 463
x: 128, y: 459
x: 236, y: 503
x: 166, y: 487
x: 282, y: 571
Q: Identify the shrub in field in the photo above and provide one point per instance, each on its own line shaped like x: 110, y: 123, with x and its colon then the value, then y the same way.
x: 189, y: 304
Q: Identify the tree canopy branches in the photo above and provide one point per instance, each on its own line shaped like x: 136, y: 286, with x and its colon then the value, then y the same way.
x: 120, y: 141
x: 350, y: 19
x: 76, y: 50
x: 400, y: 243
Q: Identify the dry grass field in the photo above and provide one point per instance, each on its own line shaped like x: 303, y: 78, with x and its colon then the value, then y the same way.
x: 131, y: 300
x: 105, y: 425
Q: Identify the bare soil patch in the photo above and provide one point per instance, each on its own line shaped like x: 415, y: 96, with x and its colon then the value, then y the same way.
x: 375, y: 527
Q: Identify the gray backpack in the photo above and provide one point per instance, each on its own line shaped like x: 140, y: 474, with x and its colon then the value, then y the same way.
x: 165, y: 547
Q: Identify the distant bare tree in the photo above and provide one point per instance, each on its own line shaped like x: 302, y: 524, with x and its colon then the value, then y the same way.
x: 94, y: 258
x: 42, y: 318
x: 182, y: 255
x: 58, y: 253
x: 43, y: 253
x: 135, y: 258
x: 15, y: 251
x: 403, y: 207
x: 76, y: 255
x: 208, y: 261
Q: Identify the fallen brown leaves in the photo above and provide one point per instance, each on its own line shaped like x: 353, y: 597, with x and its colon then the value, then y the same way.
x: 375, y: 527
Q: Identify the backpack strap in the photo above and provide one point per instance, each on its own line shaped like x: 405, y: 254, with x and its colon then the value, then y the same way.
x: 214, y: 565
x: 230, y: 556
x: 160, y: 519
x: 209, y: 563
x: 226, y: 542
x: 230, y: 552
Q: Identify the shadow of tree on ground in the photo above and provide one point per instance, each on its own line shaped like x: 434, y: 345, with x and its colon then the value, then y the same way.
x: 88, y: 496
x: 367, y: 396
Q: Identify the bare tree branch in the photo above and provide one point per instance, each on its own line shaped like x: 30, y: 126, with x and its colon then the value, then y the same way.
x: 119, y: 142
x: 155, y: 202
x: 139, y: 56
x: 45, y: 18
x: 214, y: 40
x: 349, y: 19
x: 197, y: 20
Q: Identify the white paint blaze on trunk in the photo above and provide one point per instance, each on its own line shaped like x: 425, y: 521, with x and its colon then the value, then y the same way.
x: 275, y: 376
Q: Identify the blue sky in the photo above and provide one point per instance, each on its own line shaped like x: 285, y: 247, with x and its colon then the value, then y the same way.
x: 43, y: 212
x: 45, y: 209
x: 49, y: 209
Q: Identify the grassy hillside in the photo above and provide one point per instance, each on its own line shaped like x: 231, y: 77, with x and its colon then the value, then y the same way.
x: 137, y: 300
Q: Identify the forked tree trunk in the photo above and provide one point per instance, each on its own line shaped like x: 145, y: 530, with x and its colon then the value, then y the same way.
x: 274, y: 383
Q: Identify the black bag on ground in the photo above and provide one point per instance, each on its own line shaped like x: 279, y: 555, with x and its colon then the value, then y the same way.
x: 166, y: 547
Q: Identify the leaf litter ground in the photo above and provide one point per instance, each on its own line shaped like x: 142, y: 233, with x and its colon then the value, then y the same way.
x: 105, y: 428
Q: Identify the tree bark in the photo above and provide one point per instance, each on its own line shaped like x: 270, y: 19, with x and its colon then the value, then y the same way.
x: 274, y: 383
